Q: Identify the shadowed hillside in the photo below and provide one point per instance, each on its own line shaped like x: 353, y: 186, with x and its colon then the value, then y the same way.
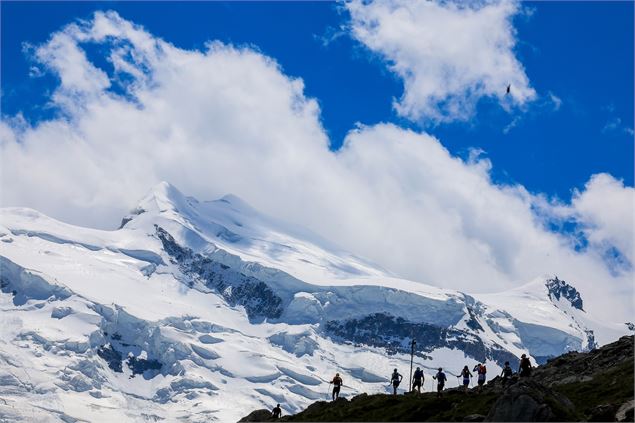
x: 593, y: 386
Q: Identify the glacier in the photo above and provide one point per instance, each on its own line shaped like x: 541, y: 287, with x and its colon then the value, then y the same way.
x: 206, y: 310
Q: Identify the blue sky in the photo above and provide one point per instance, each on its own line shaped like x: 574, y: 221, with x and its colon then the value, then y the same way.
x: 582, y: 52
x: 400, y: 144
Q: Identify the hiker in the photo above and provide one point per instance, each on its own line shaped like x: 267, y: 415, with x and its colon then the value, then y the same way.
x: 337, y: 382
x: 396, y: 380
x: 440, y: 377
x: 481, y: 372
x: 466, y: 378
x: 276, y: 413
x: 417, y: 380
x: 524, y: 368
x: 506, y: 373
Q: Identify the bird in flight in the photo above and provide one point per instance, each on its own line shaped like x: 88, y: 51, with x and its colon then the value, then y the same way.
x: 509, y: 87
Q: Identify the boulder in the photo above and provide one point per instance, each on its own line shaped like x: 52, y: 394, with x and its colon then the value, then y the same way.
x: 626, y: 412
x: 361, y: 396
x: 262, y: 415
x: 529, y: 401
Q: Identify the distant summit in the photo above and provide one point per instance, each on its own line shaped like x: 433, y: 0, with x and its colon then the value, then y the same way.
x: 561, y: 289
x: 192, y: 304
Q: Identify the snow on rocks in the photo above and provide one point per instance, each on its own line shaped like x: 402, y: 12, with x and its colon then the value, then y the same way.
x: 207, y: 310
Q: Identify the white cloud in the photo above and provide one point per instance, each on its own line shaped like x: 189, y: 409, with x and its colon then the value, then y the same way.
x: 511, y: 125
x: 607, y: 209
x: 448, y: 54
x: 615, y: 125
x: 228, y: 120
x: 555, y: 101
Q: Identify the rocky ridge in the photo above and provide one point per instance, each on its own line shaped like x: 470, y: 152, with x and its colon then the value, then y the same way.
x: 592, y: 386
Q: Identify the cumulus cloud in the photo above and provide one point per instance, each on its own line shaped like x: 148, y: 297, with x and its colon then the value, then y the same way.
x: 228, y: 120
x: 448, y: 54
x: 607, y: 209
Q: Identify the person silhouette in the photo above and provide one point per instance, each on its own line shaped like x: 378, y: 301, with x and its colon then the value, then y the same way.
x: 276, y: 413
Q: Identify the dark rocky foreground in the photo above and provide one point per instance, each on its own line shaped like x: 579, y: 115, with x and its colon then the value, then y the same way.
x: 593, y: 386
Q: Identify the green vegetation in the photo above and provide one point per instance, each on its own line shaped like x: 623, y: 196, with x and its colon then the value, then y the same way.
x: 612, y: 388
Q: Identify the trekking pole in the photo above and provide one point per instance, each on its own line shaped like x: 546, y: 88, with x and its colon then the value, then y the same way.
x: 412, y: 354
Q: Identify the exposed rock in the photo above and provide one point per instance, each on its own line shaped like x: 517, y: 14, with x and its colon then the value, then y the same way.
x: 559, y: 288
x: 135, y: 212
x: 529, y: 401
x: 474, y: 418
x: 111, y: 356
x: 626, y: 412
x: 262, y: 415
x: 392, y: 333
x: 359, y: 397
x: 581, y: 367
x: 556, y: 391
x: 140, y: 365
x: 258, y: 299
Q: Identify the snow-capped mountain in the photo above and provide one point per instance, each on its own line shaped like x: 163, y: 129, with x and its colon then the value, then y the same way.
x: 208, y: 310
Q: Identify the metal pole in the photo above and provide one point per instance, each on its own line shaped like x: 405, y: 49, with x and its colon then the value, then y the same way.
x: 412, y: 354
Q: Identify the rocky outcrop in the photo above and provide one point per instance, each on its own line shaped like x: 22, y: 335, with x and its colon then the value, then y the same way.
x: 626, y: 412
x: 583, y: 367
x: 530, y: 401
x: 262, y: 415
x: 561, y: 289
x: 593, y: 386
x: 258, y: 299
x: 394, y: 333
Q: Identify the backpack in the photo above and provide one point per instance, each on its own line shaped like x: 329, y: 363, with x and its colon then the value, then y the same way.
x: 482, y: 370
x: 507, y: 371
x: 418, y: 374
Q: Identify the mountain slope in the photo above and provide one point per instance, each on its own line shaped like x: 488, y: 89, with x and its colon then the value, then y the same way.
x: 191, y: 306
x: 594, y: 386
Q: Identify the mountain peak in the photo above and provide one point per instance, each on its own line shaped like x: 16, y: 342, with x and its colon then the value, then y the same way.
x: 167, y: 196
x: 167, y: 200
x: 163, y: 192
x: 559, y: 288
x: 163, y: 197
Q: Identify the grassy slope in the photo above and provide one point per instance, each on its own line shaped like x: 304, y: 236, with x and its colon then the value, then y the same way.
x: 611, y: 387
